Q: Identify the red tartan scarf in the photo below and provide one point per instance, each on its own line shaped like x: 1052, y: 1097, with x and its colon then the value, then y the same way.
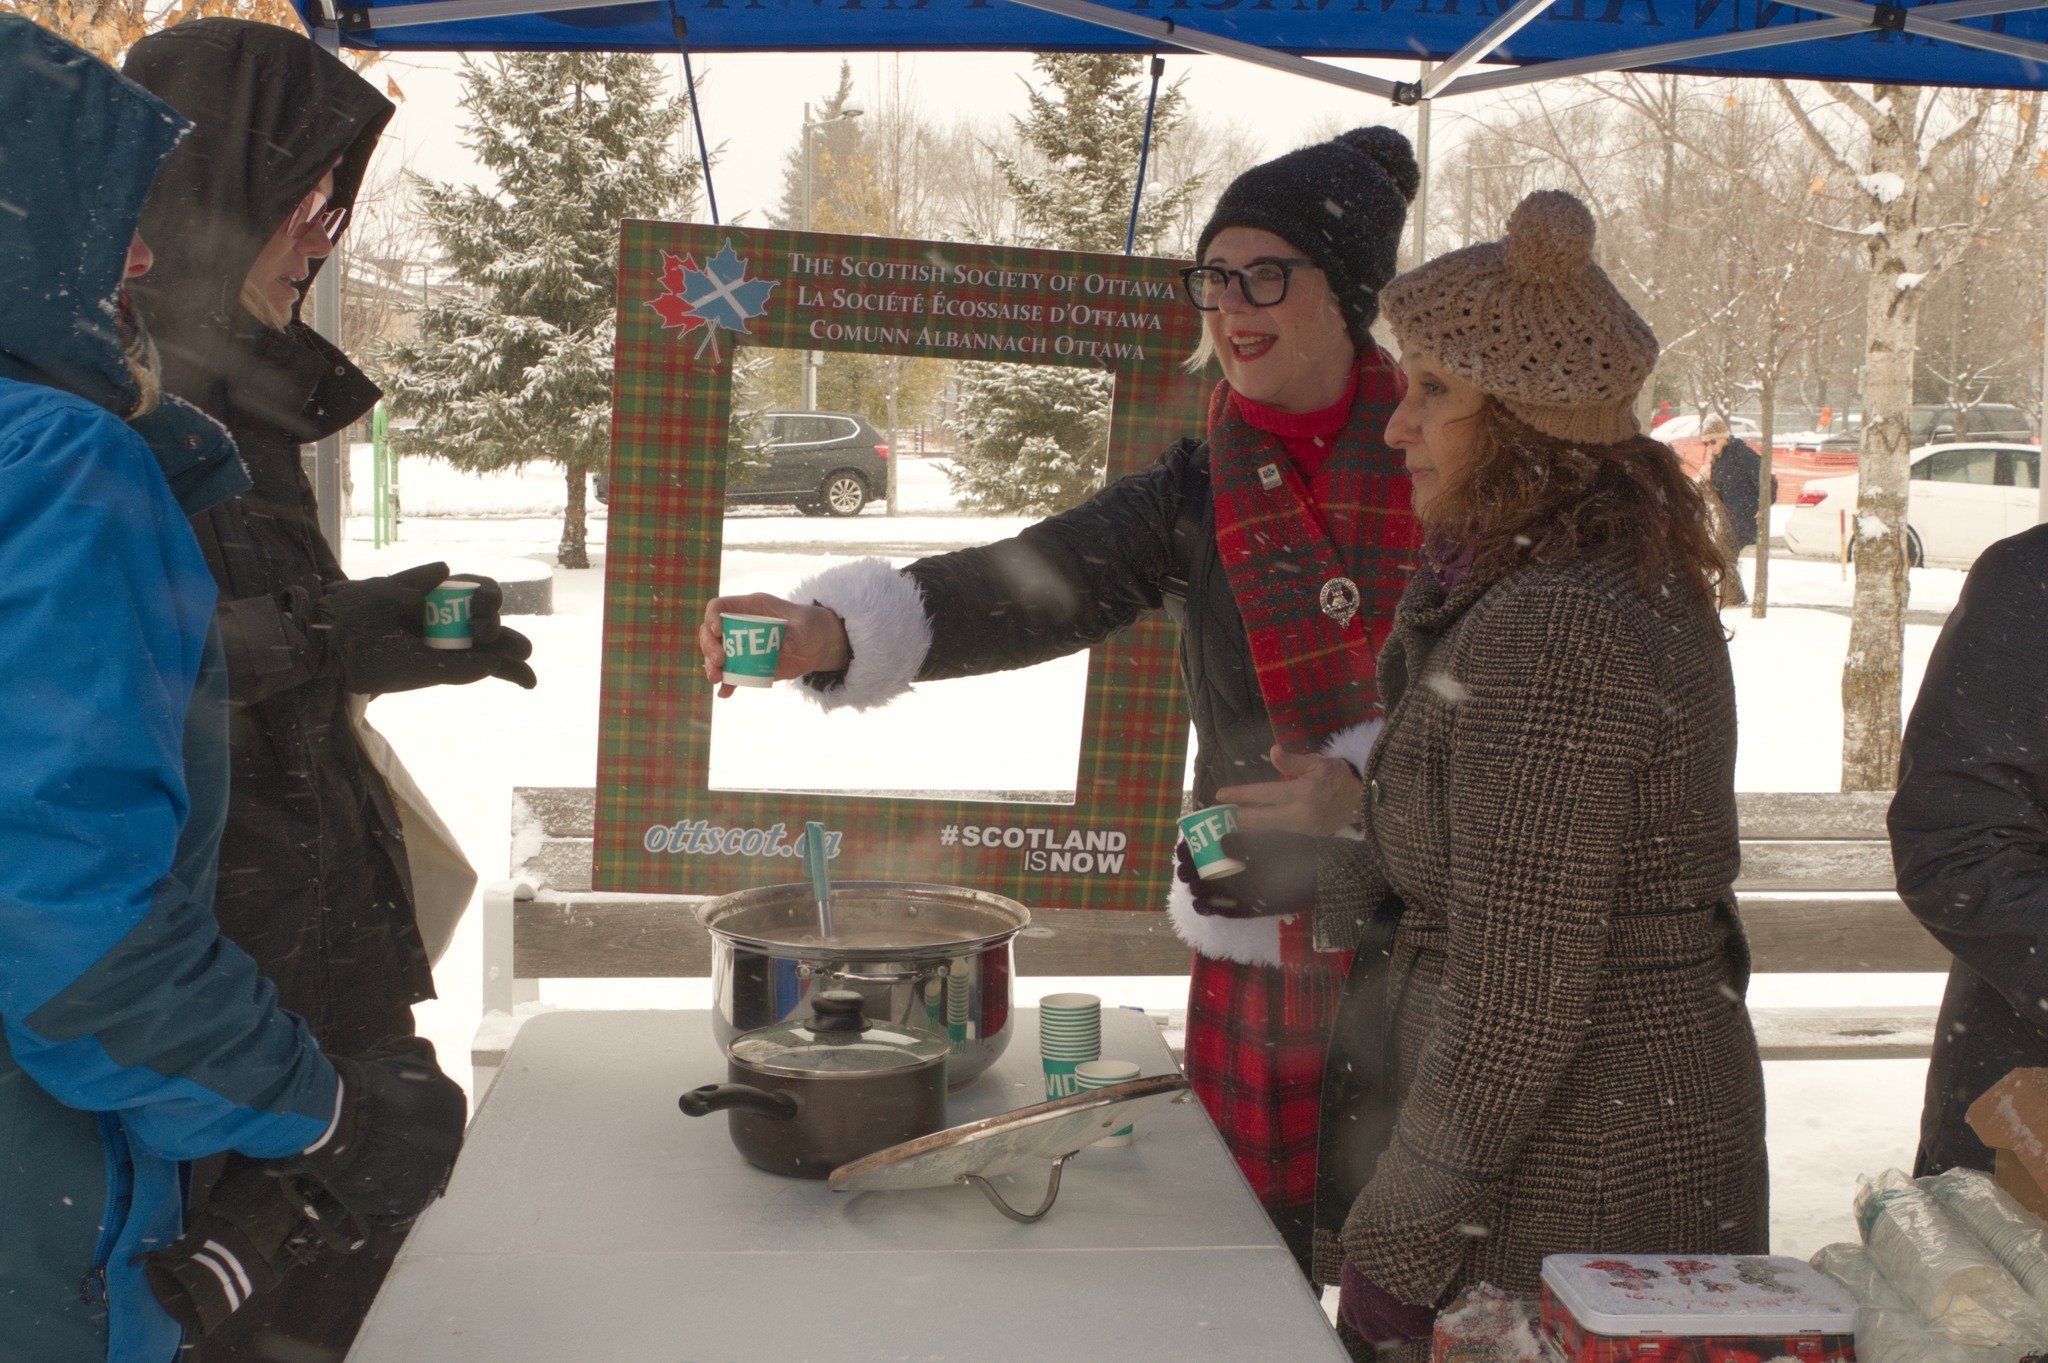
x: 1256, y: 1036
x: 1296, y: 563
x: 1316, y: 579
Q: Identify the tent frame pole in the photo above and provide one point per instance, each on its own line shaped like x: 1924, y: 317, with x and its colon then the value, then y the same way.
x: 1932, y: 20
x: 1144, y: 156
x: 1169, y: 34
x: 327, y: 450
x: 1510, y: 23
x: 682, y: 29
x: 1943, y: 30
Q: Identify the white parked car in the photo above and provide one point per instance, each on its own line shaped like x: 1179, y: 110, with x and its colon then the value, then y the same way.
x: 1688, y: 428
x: 1962, y: 498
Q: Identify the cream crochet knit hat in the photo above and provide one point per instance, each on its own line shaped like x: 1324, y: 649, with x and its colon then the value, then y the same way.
x: 1531, y: 321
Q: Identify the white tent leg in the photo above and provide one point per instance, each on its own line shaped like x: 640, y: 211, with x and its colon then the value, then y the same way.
x: 327, y: 453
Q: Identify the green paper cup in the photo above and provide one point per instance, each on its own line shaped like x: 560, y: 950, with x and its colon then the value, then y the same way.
x: 1069, y: 1033
x: 753, y: 643
x: 1059, y: 1078
x: 446, y: 623
x: 1100, y: 1074
x: 1203, y: 832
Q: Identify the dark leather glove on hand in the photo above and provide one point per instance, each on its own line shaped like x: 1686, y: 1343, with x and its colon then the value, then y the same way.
x: 395, y: 1143
x: 1279, y: 876
x: 249, y: 1233
x: 375, y: 628
x: 1378, y: 1315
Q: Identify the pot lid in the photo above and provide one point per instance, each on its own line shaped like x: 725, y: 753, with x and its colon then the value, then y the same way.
x: 872, y: 920
x: 1035, y: 1135
x: 836, y: 1040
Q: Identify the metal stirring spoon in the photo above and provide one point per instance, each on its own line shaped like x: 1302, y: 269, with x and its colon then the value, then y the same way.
x: 821, y: 880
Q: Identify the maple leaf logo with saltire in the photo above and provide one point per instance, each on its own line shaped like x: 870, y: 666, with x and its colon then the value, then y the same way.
x: 670, y: 304
x: 715, y: 296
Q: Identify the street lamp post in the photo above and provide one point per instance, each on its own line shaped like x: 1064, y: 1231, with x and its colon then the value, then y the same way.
x: 813, y: 359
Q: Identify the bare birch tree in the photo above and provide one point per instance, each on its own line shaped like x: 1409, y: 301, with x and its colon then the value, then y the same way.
x: 1883, y: 150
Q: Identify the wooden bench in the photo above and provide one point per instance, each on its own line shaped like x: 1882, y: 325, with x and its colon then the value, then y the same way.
x: 1816, y: 894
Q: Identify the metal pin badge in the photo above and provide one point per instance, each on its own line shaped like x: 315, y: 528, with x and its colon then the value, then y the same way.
x: 1339, y: 599
x: 1269, y: 477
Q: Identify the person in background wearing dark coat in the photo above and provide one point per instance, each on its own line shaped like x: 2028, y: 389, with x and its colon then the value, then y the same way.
x: 1969, y: 831
x: 314, y: 879
x: 1736, y: 471
x: 132, y: 1037
x: 1292, y: 261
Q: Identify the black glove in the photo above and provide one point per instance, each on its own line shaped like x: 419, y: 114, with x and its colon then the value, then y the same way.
x: 1279, y: 876
x: 251, y: 1231
x: 375, y: 628
x: 395, y: 1143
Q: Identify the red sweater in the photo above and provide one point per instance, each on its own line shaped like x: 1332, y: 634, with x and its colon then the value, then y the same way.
x: 1306, y: 436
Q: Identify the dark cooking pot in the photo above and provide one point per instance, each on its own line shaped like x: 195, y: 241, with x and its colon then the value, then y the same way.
x: 809, y: 1094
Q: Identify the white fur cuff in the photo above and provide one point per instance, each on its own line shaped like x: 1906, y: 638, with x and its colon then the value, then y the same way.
x: 1247, y: 941
x: 885, y: 624
x: 1354, y: 744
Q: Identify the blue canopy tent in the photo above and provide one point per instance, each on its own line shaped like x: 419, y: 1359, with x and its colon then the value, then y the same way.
x: 1987, y: 43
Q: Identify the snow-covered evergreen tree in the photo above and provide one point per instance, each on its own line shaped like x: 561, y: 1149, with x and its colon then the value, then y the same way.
x: 1031, y: 438
x: 1034, y: 438
x: 517, y: 365
x: 1087, y: 125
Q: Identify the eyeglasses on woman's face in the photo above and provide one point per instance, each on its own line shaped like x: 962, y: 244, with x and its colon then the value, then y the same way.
x: 1261, y: 283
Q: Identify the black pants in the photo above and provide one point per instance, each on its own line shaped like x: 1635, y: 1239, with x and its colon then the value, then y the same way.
x: 1297, y: 1226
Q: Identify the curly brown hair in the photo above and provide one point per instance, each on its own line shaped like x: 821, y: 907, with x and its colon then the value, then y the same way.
x: 1527, y: 496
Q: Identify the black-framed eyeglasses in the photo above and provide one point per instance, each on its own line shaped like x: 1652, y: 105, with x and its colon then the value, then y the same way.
x: 1261, y: 283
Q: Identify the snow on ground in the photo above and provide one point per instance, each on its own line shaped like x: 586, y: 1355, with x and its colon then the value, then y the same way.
x: 468, y: 746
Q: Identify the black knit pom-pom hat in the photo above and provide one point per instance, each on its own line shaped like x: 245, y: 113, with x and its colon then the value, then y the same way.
x: 1341, y: 203
x: 1531, y: 321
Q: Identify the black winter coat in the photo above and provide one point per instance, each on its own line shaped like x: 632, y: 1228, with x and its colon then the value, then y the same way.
x: 1069, y: 582
x: 1969, y: 831
x: 313, y: 876
x: 1737, y: 476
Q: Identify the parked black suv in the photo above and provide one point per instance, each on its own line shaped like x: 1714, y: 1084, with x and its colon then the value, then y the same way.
x: 1934, y: 424
x: 822, y: 463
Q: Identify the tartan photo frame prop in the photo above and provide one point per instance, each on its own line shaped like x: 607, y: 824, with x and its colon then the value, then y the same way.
x: 689, y: 296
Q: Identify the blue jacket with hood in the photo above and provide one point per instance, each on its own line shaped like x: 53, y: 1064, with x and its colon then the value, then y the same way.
x: 132, y: 1036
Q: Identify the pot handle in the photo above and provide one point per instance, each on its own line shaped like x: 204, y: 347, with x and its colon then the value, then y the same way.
x: 1052, y: 1192
x: 702, y: 1102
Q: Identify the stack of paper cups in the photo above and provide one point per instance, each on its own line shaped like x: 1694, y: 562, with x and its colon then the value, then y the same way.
x: 956, y: 1001
x: 1069, y: 1034
x: 1100, y: 1074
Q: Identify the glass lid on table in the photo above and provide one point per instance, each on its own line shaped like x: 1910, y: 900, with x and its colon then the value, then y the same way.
x: 838, y: 1039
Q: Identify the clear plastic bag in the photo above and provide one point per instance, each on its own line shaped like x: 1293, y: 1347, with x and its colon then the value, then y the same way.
x: 1487, y: 1325
x: 2014, y: 1235
x: 1888, y: 1329
x: 1955, y: 1283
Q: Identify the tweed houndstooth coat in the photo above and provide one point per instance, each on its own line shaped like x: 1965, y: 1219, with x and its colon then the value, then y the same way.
x: 1561, y: 1029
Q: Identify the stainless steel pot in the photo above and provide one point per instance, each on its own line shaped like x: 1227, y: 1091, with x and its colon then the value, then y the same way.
x: 930, y: 956
x: 805, y: 1097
